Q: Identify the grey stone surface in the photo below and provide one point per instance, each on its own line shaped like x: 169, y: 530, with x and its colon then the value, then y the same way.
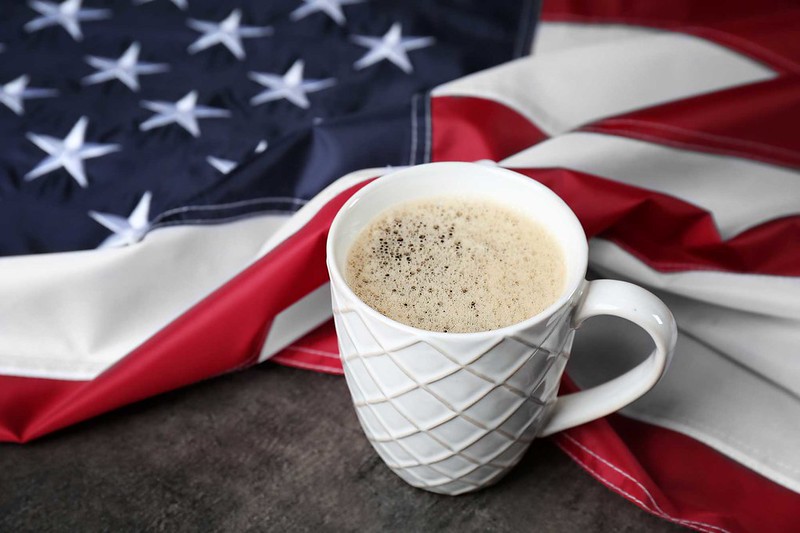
x: 273, y: 449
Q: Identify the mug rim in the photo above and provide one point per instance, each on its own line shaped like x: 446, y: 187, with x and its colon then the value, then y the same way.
x: 570, y: 289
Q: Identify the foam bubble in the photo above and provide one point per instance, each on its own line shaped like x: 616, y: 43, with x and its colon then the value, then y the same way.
x: 456, y: 265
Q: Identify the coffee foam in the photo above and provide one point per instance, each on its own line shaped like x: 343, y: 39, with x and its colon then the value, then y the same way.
x: 456, y: 265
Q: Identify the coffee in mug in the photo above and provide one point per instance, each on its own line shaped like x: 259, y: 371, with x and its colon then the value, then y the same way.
x: 456, y: 264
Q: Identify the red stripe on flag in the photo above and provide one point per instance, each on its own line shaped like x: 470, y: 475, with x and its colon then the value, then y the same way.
x: 468, y: 128
x: 706, y: 485
x: 23, y: 400
x: 669, y: 234
x: 757, y: 121
x: 762, y: 30
x: 678, y: 478
x: 770, y: 39
x: 318, y: 350
x: 646, y: 13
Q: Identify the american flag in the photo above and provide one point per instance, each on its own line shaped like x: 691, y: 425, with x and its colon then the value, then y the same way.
x: 170, y: 169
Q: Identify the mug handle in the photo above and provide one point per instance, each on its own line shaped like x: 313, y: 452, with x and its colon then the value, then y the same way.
x: 633, y: 303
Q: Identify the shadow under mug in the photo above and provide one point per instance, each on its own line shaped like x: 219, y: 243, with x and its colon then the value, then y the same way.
x: 453, y: 412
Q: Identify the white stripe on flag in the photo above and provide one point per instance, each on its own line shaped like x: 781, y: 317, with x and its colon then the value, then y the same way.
x: 297, y: 320
x: 739, y: 193
x: 72, y: 315
x: 752, y: 319
x: 562, y: 90
x: 559, y: 36
x: 775, y: 296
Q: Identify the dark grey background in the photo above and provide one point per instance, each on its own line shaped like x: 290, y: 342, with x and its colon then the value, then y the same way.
x: 273, y: 448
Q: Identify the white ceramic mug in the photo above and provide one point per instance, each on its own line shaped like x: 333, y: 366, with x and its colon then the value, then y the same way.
x: 453, y: 412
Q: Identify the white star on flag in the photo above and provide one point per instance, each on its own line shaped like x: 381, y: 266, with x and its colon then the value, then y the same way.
x: 126, y: 69
x: 332, y: 8
x: 14, y: 93
x: 261, y: 146
x: 129, y: 230
x: 290, y: 86
x: 223, y: 165
x: 184, y: 112
x: 68, y: 14
x: 229, y: 33
x: 180, y: 4
x: 392, y: 46
x: 68, y: 153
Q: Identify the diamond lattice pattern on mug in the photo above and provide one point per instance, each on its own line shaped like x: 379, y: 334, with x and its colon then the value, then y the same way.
x: 449, y: 422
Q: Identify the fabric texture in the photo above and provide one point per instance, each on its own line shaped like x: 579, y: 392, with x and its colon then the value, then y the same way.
x: 667, y: 127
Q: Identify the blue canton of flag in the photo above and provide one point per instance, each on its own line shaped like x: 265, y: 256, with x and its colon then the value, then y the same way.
x: 120, y: 117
